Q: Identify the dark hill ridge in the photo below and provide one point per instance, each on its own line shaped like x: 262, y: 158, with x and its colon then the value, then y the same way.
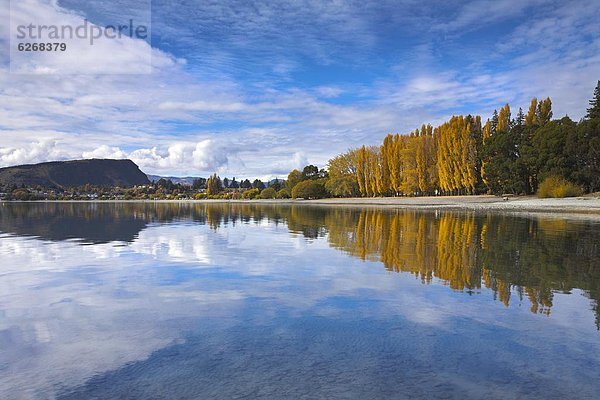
x: 61, y: 174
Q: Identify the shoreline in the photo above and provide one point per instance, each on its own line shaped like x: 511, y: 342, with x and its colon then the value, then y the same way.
x: 589, y: 205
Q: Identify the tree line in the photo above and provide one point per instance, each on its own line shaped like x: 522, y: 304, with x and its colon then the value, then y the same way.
x: 524, y: 154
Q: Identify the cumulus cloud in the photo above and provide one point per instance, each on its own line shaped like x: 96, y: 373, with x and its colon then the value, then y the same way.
x: 299, y: 160
x: 31, y: 153
x: 105, y: 151
x: 202, y: 156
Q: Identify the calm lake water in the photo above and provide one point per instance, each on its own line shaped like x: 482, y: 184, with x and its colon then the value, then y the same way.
x: 202, y: 301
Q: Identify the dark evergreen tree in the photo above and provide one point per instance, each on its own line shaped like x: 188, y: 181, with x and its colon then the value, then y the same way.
x: 583, y: 147
x: 506, y: 170
x: 276, y: 185
x: 165, y: 184
x: 258, y: 184
x: 550, y: 149
x: 199, y: 183
x: 310, y: 172
x: 520, y: 117
x: 494, y: 122
x: 594, y: 111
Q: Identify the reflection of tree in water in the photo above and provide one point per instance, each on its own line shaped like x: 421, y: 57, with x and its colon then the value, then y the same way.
x: 530, y: 257
x: 525, y: 257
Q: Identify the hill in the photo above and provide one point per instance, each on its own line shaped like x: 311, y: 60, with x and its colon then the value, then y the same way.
x: 61, y: 174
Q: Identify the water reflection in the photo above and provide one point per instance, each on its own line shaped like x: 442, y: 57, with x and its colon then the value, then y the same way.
x: 533, y: 256
x: 98, y: 300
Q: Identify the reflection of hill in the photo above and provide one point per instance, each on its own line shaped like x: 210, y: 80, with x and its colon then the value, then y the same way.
x: 95, y: 223
x: 101, y: 222
x: 529, y: 258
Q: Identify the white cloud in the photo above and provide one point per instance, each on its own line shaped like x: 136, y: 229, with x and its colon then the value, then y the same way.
x: 470, y: 15
x: 105, y: 151
x: 202, y: 156
x: 204, y: 106
x: 299, y: 160
x: 31, y: 153
x: 430, y: 84
x: 329, y: 91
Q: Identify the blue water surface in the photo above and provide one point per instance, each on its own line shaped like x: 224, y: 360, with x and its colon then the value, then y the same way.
x: 223, y: 301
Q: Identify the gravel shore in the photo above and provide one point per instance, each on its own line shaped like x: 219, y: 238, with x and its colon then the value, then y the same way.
x: 586, y: 205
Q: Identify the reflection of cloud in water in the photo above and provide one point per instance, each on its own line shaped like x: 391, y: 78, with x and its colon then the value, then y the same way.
x: 173, y: 243
x: 70, y: 311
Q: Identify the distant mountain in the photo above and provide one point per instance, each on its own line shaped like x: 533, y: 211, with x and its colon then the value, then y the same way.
x: 61, y: 174
x: 186, y: 180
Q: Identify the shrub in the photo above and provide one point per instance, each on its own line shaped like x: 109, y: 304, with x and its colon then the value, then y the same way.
x: 309, y: 189
x: 268, y: 193
x: 345, y: 186
x: 282, y: 194
x: 22, y: 195
x: 250, y: 194
x: 558, y: 187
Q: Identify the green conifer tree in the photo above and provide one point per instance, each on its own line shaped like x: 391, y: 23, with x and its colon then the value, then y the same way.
x: 594, y: 111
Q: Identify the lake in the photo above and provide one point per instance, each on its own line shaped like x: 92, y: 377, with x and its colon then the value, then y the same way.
x: 224, y: 301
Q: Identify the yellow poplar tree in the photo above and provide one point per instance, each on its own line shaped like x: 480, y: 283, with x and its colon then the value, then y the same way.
x: 410, y: 178
x: 504, y: 119
x: 360, y: 170
x: 532, y: 117
x: 544, y: 111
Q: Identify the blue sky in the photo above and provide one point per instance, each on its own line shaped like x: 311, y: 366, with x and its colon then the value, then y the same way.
x: 254, y: 89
